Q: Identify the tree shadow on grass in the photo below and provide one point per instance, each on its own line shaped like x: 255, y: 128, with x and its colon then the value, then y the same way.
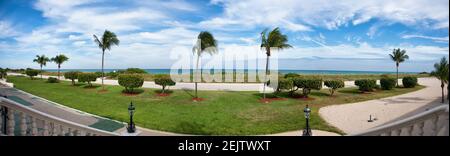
x: 192, y: 128
x: 165, y: 92
x: 91, y: 87
x: 188, y: 91
x: 132, y: 92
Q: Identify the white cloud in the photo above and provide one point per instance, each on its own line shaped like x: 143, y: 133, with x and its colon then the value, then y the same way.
x: 7, y: 30
x: 436, y: 39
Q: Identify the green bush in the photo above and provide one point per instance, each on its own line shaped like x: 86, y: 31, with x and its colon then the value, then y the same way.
x: 291, y: 75
x: 130, y: 81
x: 334, y: 85
x: 135, y: 71
x: 112, y: 74
x: 98, y: 74
x: 3, y: 73
x: 87, y: 77
x: 307, y: 85
x: 32, y: 73
x: 52, y: 80
x: 387, y: 83
x: 164, y: 81
x: 409, y: 82
x: 72, y: 75
x: 366, y: 85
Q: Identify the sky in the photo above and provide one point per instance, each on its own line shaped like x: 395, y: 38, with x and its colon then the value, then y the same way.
x: 325, y: 35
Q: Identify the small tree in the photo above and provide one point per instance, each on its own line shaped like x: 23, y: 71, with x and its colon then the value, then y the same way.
x: 130, y: 81
x: 366, y: 85
x: 3, y: 73
x: 441, y: 72
x: 87, y: 77
x: 307, y: 85
x: 31, y: 73
x: 334, y: 85
x: 409, y: 82
x: 52, y: 80
x: 387, y: 83
x: 72, y: 75
x: 135, y: 71
x: 164, y: 81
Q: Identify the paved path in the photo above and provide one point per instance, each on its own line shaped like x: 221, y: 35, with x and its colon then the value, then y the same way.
x: 352, y: 118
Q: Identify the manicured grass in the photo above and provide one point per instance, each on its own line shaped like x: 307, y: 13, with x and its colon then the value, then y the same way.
x: 221, y: 113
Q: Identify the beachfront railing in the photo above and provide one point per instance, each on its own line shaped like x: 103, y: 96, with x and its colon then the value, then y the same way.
x: 17, y: 119
x: 433, y: 122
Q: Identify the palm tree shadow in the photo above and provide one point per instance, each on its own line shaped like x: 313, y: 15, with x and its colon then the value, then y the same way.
x: 187, y: 91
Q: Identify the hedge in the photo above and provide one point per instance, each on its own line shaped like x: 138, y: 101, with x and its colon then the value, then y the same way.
x: 72, y: 75
x: 409, y: 82
x: 52, y: 80
x: 130, y: 81
x: 87, y: 77
x: 307, y: 85
x: 31, y: 73
x: 387, y: 83
x: 366, y: 85
x: 334, y: 85
x: 164, y: 81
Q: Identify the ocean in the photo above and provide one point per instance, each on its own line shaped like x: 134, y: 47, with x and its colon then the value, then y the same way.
x: 311, y: 72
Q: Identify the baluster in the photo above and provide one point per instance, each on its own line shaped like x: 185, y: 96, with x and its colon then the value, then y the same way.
x: 45, y: 133
x: 34, y: 129
x: 421, y: 126
x: 69, y: 131
x: 11, y: 122
x: 62, y: 132
x: 395, y: 132
x: 23, y: 124
x: 82, y: 133
x: 53, y: 130
x: 1, y: 120
x: 434, y: 127
x: 76, y: 132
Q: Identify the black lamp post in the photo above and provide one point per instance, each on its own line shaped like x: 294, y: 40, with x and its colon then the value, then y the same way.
x: 131, y: 127
x: 307, y: 130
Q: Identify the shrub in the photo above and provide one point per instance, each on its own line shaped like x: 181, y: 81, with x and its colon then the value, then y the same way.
x: 135, y: 71
x: 366, y: 85
x: 87, y: 77
x: 112, y: 74
x: 387, y: 83
x: 164, y: 81
x: 3, y: 73
x: 334, y: 85
x: 98, y: 74
x: 291, y: 75
x: 409, y: 82
x: 32, y: 73
x: 72, y: 75
x: 130, y: 81
x: 307, y: 85
x: 52, y: 80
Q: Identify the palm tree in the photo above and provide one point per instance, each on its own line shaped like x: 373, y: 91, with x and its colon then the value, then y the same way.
x: 441, y: 73
x: 59, y: 59
x: 275, y: 39
x: 205, y: 44
x: 42, y: 61
x: 108, y: 39
x: 398, y: 56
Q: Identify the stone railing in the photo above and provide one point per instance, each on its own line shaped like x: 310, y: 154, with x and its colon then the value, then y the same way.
x: 16, y: 119
x: 433, y: 122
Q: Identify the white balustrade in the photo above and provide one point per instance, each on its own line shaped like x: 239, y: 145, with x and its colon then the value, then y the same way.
x: 51, y: 125
x: 433, y: 122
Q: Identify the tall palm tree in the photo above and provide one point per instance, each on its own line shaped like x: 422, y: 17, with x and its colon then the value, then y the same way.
x: 205, y: 44
x: 59, y: 59
x: 274, y: 39
x: 108, y: 39
x: 398, y: 56
x: 441, y: 72
x: 42, y: 61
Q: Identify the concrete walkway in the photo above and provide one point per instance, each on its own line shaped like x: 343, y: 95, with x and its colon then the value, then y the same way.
x: 353, y: 118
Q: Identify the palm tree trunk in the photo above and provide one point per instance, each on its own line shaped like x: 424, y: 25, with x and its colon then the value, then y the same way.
x: 397, y: 76
x: 41, y: 71
x: 59, y: 67
x: 442, y: 87
x: 265, y: 77
x: 198, y: 58
x: 103, y: 63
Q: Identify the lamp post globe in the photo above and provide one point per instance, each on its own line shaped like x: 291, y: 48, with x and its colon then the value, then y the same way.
x: 131, y: 128
x: 307, y: 130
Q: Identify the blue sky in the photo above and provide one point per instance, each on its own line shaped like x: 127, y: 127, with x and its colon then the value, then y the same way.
x: 326, y: 35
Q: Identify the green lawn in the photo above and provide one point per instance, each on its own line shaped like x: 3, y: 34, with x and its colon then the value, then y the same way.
x: 222, y: 112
